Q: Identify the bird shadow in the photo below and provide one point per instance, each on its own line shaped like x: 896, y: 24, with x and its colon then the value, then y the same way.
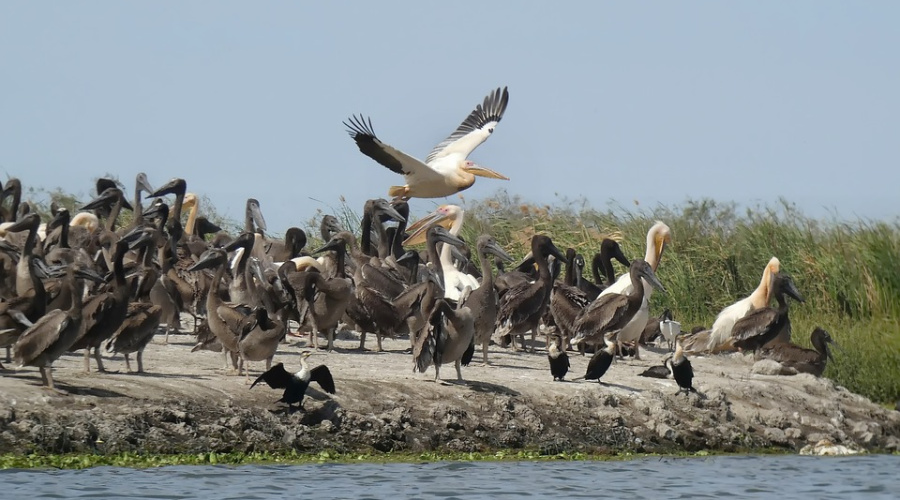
x: 517, y: 367
x: 487, y: 387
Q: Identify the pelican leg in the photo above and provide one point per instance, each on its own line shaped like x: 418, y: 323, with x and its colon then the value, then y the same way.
x: 48, y: 382
x: 314, y: 338
x: 330, y: 335
x: 484, y: 350
x: 459, y: 371
x: 437, y: 372
x: 362, y: 341
x: 378, y: 341
x: 533, y: 339
x: 637, y: 351
x: 269, y: 362
x: 87, y: 360
x: 127, y: 363
x: 140, y: 360
x: 100, y: 367
x: 8, y: 354
x: 226, y: 352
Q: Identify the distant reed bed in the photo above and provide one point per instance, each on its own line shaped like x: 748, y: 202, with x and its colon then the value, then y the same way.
x: 848, y: 272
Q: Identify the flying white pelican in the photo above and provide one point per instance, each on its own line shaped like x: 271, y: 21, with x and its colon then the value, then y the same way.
x: 445, y: 170
x: 658, y: 237
x: 720, y: 336
x: 451, y: 218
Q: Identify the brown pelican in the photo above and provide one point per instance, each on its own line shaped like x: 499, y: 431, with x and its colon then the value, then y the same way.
x: 567, y: 301
x: 260, y: 337
x: 682, y: 371
x: 105, y: 312
x: 13, y: 187
x: 658, y: 237
x: 559, y: 360
x: 522, y: 306
x: 20, y: 312
x: 295, y: 384
x: 613, y: 312
x: 761, y: 326
x: 799, y: 358
x: 720, y: 337
x: 324, y: 299
x: 483, y: 301
x: 52, y: 335
x: 141, y: 322
x: 450, y: 333
x: 446, y: 170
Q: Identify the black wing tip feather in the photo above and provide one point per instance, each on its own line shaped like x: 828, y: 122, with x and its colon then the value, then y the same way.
x: 360, y: 125
x: 276, y: 377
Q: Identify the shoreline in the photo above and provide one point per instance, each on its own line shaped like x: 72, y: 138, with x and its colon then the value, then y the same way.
x: 186, y: 404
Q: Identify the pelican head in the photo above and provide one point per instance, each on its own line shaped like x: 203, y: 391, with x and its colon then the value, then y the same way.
x: 190, y: 200
x: 657, y: 238
x: 642, y: 269
x: 473, y: 168
x: 445, y: 216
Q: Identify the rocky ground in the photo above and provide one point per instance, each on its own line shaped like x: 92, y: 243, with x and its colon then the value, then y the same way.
x: 186, y: 402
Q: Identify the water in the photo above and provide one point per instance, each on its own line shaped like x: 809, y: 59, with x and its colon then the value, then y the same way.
x: 784, y: 477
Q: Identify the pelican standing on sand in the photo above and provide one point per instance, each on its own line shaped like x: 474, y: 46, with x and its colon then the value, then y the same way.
x: 445, y: 170
x: 658, y: 237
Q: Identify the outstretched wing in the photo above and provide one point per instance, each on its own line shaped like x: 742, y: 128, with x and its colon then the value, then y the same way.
x: 475, y: 129
x: 277, y: 377
x: 360, y: 129
x: 322, y: 375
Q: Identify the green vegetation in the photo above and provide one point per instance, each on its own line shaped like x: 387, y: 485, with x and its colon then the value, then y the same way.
x: 849, y: 273
x: 82, y: 461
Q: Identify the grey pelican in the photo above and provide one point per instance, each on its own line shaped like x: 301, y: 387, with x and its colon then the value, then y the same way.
x: 484, y: 301
x: 613, y: 312
x: 720, y: 336
x: 799, y: 358
x: 522, y: 306
x: 559, y: 360
x: 761, y: 326
x: 295, y: 384
x: 445, y: 170
x: 55, y: 332
x: 658, y: 237
x: 450, y: 333
x: 325, y: 299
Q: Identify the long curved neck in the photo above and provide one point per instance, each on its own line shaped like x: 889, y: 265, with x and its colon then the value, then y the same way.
x: 571, y: 274
x: 30, y: 242
x: 40, y: 293
x: 652, y: 253
x: 637, y: 287
x: 114, y: 214
x: 119, y: 266
x: 138, y: 218
x: 763, y: 294
x: 433, y: 256
x: 366, y: 236
x: 192, y: 218
x: 487, y: 274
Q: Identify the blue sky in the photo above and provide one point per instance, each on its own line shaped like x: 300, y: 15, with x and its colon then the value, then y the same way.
x: 651, y: 101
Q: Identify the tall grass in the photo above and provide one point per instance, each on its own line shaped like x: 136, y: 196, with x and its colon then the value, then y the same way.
x: 849, y: 272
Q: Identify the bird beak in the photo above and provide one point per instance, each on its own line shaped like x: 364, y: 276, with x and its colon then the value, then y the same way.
x: 480, y: 171
x: 172, y: 187
x: 495, y: 250
x: 418, y: 230
x: 661, y: 242
x: 207, y: 260
x: 106, y: 197
x: 144, y: 184
x: 651, y: 278
x: 389, y: 210
x: 791, y: 290
x: 257, y: 216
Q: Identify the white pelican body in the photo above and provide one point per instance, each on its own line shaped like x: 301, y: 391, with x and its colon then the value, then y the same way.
x: 657, y: 237
x: 445, y: 170
x: 720, y: 335
x: 455, y: 281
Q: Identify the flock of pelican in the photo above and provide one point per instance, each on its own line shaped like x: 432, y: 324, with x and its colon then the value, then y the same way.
x: 94, y: 282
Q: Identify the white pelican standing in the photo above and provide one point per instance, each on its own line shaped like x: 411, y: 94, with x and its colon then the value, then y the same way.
x: 445, y: 170
x: 658, y: 237
x: 451, y: 218
x: 720, y: 336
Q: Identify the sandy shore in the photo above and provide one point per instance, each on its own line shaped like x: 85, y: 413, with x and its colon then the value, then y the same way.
x: 186, y: 402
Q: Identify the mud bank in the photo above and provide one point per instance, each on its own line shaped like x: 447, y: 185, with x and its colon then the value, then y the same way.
x: 187, y: 403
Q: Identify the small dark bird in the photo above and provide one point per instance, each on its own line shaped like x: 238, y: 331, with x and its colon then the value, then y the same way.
x: 800, y: 358
x: 658, y: 371
x: 295, y: 384
x: 682, y: 371
x: 602, y: 359
x: 559, y: 360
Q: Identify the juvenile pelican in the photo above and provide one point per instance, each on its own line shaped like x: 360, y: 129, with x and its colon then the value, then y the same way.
x: 801, y: 359
x: 658, y: 237
x: 445, y: 170
x: 720, y: 336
